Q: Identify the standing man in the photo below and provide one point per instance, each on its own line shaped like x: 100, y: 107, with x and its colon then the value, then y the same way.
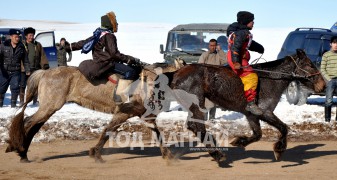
x: 12, y: 55
x: 37, y: 60
x: 62, y: 54
x: 329, y: 72
x: 240, y: 41
x: 215, y: 56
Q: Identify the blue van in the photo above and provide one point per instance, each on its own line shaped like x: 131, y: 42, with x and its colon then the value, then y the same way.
x: 315, y: 42
x: 47, y: 40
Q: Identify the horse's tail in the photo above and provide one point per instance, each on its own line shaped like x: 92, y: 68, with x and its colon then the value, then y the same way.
x: 33, y: 84
x: 17, y: 131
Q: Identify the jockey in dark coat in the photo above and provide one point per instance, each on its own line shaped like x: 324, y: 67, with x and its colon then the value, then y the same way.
x: 106, y: 56
x: 239, y: 42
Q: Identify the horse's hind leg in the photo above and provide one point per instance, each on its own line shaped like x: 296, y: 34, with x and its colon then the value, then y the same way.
x: 197, y: 125
x: 243, y: 141
x: 281, y: 145
x: 123, y: 113
x: 166, y: 153
x: 32, y: 126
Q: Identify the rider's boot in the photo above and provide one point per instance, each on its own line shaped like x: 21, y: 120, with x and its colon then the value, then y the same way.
x: 253, y: 108
x: 327, y: 111
x: 122, y: 91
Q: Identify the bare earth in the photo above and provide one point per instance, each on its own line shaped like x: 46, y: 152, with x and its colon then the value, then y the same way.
x: 69, y: 159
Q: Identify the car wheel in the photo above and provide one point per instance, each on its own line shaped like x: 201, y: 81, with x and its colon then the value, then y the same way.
x: 293, y: 92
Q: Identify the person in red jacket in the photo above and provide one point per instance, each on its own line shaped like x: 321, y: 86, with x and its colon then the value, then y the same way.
x: 239, y: 42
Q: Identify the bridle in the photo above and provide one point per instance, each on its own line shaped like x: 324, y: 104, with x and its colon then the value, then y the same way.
x: 292, y: 74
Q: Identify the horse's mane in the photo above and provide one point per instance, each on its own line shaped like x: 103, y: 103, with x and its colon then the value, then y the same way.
x: 274, y: 69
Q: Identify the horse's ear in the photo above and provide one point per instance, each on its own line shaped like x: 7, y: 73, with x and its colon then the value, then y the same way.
x: 300, y: 53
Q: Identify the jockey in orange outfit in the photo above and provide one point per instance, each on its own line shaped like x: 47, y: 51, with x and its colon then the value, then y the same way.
x: 239, y: 42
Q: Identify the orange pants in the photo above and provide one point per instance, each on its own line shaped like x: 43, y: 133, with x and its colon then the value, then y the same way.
x: 249, y: 85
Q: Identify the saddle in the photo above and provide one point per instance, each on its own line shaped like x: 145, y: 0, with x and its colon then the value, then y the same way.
x: 94, y: 71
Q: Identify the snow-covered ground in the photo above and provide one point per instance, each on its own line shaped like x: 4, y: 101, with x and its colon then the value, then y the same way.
x: 142, y: 40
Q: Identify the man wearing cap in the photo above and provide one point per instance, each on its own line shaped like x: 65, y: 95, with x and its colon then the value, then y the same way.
x: 106, y: 56
x: 12, y: 54
x: 239, y: 42
x: 37, y: 60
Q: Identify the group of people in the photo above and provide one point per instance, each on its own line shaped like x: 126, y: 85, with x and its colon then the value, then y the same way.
x: 19, y: 59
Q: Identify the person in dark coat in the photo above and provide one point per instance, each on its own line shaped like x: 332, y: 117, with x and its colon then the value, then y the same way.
x: 240, y: 41
x: 12, y: 55
x: 62, y: 53
x: 106, y: 56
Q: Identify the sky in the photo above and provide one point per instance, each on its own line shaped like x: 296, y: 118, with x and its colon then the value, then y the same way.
x: 285, y: 13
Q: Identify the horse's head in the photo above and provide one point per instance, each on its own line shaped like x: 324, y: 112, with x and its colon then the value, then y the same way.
x: 152, y: 71
x: 307, y: 72
x: 179, y: 63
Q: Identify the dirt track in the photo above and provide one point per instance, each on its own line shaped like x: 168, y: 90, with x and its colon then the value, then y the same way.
x: 69, y: 160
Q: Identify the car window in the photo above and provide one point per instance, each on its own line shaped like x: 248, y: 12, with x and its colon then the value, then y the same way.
x: 294, y: 42
x: 46, y: 39
x: 312, y: 46
x: 194, y: 41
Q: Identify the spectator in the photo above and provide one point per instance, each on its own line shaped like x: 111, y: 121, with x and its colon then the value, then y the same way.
x: 329, y: 72
x: 215, y: 56
x: 37, y: 60
x: 62, y: 53
x: 12, y: 55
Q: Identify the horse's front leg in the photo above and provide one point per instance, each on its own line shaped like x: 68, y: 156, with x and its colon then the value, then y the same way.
x: 243, y: 141
x: 114, y: 124
x: 196, y: 124
x: 281, y: 145
x: 122, y: 113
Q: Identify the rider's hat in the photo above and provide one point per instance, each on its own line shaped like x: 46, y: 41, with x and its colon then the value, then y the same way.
x: 109, y: 21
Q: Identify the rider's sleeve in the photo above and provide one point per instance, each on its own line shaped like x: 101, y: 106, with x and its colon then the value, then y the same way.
x: 238, y: 40
x: 77, y: 45
x: 255, y: 46
x: 111, y: 47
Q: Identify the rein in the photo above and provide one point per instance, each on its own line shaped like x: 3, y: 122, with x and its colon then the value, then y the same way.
x: 292, y: 74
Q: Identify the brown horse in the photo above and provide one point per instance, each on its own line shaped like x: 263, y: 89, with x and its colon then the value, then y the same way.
x: 60, y: 85
x: 223, y: 87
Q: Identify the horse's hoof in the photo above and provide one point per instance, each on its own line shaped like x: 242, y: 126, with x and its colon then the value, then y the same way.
x: 222, y: 158
x: 277, y: 155
x: 24, y: 160
x: 99, y: 160
x: 169, y: 156
x: 92, y: 152
x: 9, y: 149
x: 238, y: 142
